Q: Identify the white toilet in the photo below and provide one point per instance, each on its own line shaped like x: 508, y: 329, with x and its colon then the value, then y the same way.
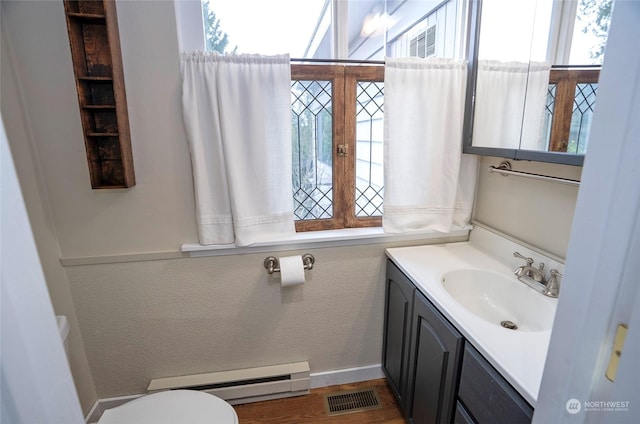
x: 170, y: 407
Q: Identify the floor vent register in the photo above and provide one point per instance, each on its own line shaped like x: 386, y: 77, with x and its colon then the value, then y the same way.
x: 351, y: 401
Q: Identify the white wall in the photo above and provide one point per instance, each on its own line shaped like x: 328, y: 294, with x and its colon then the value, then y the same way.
x: 537, y: 212
x: 156, y: 214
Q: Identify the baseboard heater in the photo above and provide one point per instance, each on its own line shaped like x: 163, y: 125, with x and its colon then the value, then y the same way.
x: 244, y: 385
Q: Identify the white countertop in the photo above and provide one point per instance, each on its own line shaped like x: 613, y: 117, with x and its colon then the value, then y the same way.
x: 518, y: 355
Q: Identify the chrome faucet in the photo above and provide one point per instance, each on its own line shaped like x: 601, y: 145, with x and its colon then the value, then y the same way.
x: 528, y: 270
x: 535, y: 278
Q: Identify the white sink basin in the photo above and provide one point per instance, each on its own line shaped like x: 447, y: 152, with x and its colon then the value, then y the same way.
x: 503, y: 301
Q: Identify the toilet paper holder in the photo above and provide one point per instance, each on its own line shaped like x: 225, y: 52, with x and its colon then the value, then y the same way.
x: 271, y: 263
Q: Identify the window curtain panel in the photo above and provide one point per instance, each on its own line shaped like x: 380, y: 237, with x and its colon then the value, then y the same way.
x: 237, y: 114
x: 510, y: 105
x: 429, y: 183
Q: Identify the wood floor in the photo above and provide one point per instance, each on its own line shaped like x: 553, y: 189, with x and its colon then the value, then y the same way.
x: 310, y: 408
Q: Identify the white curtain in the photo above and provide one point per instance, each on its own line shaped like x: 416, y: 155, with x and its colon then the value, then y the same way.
x: 429, y: 183
x: 510, y: 105
x: 237, y: 113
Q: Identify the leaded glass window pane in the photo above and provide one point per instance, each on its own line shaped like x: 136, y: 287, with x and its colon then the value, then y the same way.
x: 369, y: 154
x: 312, y: 127
x: 583, y: 105
x: 548, y: 113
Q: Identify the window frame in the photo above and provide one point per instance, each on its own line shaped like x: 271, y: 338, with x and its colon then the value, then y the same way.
x: 344, y: 79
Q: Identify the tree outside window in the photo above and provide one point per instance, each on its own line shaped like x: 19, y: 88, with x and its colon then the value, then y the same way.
x: 216, y: 39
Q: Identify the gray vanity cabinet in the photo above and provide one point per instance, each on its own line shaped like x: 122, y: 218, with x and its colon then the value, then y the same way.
x: 397, y: 331
x: 434, y: 374
x: 421, y: 354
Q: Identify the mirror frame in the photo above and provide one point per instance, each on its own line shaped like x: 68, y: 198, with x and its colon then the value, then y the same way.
x: 473, y: 42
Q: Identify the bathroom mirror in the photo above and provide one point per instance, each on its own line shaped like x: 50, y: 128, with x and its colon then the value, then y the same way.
x: 533, y: 77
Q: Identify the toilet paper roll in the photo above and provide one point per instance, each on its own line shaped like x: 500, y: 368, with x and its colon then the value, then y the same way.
x: 291, y: 270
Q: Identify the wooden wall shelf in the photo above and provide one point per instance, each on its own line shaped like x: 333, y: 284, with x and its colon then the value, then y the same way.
x: 97, y: 65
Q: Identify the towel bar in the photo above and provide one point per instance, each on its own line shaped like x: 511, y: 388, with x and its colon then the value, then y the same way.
x: 504, y: 169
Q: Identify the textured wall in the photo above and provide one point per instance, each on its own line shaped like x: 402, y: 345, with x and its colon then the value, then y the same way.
x: 155, y: 319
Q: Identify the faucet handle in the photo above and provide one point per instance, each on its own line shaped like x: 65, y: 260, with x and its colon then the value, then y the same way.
x: 553, y: 287
x: 518, y: 255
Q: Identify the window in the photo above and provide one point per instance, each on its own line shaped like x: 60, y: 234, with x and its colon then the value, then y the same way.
x: 337, y: 117
x: 572, y: 92
x: 424, y: 45
x: 571, y: 98
x: 337, y: 111
x: 323, y: 29
x: 430, y: 47
x: 438, y: 32
x: 571, y: 36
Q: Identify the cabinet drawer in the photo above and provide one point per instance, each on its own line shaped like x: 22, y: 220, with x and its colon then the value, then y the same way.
x: 487, y: 395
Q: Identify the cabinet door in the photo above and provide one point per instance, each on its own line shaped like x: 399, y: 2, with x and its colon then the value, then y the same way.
x: 436, y: 352
x: 487, y: 395
x: 397, y: 331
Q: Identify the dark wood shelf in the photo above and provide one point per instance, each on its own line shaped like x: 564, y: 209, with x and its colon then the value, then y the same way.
x: 102, y: 134
x: 86, y: 78
x: 97, y: 64
x: 108, y: 107
x: 106, y: 187
x: 86, y: 17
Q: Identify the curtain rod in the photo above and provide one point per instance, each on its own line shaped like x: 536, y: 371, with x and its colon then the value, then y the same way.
x: 354, y: 61
x: 505, y: 169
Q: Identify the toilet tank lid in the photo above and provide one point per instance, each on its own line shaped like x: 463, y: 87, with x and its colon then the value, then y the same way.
x: 63, y: 326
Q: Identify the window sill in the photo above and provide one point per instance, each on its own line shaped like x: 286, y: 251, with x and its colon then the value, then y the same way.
x: 322, y: 239
x: 306, y: 240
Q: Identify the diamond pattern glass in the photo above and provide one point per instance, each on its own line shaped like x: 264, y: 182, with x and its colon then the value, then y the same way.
x: 548, y: 112
x: 583, y: 104
x: 369, y: 135
x: 312, y: 133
